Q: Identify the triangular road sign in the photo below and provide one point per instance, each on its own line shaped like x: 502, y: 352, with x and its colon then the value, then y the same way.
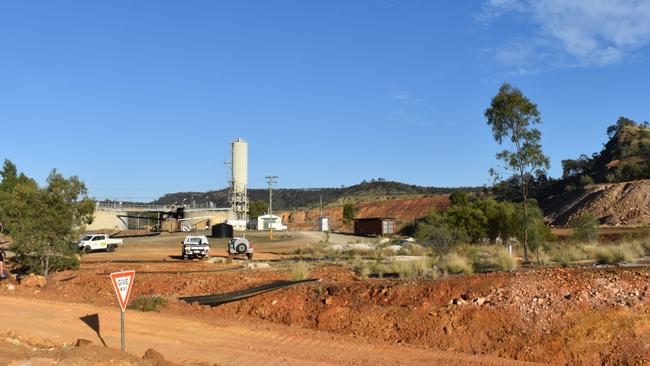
x: 122, y: 283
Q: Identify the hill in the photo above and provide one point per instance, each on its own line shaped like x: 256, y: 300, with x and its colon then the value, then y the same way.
x: 613, y: 184
x: 293, y: 198
x: 625, y: 157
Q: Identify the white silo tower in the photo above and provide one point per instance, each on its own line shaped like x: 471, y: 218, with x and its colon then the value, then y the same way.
x: 239, y: 179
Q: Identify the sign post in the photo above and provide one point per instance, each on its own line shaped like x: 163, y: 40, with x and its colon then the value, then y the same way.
x: 122, y: 283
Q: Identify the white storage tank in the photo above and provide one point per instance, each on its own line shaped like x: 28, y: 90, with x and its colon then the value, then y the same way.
x: 239, y: 165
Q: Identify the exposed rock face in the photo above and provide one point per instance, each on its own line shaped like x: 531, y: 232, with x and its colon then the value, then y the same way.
x: 404, y: 210
x: 614, y: 204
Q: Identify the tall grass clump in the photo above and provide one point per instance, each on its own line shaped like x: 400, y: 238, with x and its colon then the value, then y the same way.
x: 613, y: 255
x: 646, y: 247
x: 299, y: 272
x: 572, y: 253
x: 413, y: 269
x: 148, y: 303
x: 455, y: 263
x: 503, y: 261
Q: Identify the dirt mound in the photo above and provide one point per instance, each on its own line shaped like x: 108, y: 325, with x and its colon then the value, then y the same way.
x: 405, y: 210
x: 614, y: 204
x: 556, y: 316
x: 575, y: 316
x: 18, y: 350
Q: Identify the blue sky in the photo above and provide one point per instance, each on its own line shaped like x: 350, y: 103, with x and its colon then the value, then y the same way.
x: 141, y: 98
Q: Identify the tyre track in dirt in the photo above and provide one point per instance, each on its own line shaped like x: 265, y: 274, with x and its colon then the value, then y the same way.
x: 228, y: 343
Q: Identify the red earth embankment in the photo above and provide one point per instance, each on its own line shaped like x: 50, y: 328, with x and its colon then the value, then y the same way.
x: 404, y: 210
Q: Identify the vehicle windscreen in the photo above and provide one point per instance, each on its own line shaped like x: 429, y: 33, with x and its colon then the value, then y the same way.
x: 195, y: 240
x: 86, y: 237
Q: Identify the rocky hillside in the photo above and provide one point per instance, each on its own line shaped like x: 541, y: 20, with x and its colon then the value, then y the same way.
x: 616, y: 204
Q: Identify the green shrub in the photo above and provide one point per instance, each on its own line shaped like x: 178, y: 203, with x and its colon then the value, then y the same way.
x: 455, y: 263
x: 299, y: 272
x: 148, y: 303
x: 586, y: 180
x: 585, y: 228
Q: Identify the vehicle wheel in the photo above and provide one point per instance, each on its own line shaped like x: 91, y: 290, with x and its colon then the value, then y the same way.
x: 241, y: 248
x: 87, y: 249
x: 111, y: 248
x: 249, y: 256
x: 184, y: 256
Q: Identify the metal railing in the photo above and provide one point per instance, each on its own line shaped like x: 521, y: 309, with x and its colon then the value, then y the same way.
x: 148, y: 207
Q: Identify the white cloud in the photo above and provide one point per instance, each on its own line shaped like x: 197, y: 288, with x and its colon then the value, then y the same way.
x: 400, y: 95
x: 572, y: 32
x: 402, y: 116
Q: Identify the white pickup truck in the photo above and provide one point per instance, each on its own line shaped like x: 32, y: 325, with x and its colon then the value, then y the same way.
x: 195, y: 246
x: 92, y: 242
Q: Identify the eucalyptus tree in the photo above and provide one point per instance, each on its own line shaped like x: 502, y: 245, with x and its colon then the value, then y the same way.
x: 513, y: 117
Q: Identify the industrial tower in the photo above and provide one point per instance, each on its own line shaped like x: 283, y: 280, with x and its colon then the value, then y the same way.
x: 239, y: 179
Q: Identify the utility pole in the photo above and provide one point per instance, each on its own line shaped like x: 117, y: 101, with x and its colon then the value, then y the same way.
x: 272, y: 180
x: 321, y: 206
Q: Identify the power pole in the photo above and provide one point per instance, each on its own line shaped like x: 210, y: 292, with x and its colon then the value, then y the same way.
x: 272, y: 180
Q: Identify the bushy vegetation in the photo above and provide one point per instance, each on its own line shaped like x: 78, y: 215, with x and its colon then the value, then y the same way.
x: 148, y: 303
x: 478, y: 220
x: 349, y: 213
x: 585, y: 228
x: 44, y: 221
x: 257, y: 208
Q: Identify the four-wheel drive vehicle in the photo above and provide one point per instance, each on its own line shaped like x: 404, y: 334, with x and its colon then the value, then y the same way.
x: 240, y: 246
x: 195, y: 247
x: 91, y: 242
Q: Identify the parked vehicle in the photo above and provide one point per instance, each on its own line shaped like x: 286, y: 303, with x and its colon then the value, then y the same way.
x: 240, y: 246
x: 195, y: 246
x: 91, y: 242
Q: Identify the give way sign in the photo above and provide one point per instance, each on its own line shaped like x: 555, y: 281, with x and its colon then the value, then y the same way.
x: 122, y: 283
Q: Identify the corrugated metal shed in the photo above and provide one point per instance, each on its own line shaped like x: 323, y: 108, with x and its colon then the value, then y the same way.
x: 374, y: 226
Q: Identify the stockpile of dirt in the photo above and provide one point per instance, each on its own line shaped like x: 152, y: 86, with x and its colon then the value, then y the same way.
x: 614, y: 204
x: 553, y: 315
x: 586, y: 316
x: 19, y: 350
x: 404, y: 210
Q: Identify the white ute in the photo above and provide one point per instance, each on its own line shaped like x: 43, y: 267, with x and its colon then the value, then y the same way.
x: 240, y: 246
x: 92, y: 242
x: 195, y: 247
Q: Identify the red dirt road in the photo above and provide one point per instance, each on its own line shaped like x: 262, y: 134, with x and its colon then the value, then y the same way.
x: 228, y: 343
